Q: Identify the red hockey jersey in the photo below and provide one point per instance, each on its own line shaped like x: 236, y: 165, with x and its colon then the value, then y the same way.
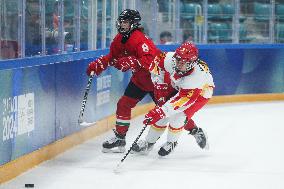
x: 143, y: 49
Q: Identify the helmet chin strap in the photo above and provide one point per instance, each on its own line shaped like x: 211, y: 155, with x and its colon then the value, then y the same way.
x: 125, y: 37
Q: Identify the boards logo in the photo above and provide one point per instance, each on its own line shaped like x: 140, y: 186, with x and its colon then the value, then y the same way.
x: 18, y: 115
x: 103, y: 90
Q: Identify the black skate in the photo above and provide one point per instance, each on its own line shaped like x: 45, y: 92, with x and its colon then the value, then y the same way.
x: 167, y: 148
x: 142, y: 147
x: 200, y: 137
x: 115, y: 145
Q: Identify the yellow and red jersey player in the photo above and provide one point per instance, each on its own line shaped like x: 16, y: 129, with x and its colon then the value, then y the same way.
x: 193, y: 80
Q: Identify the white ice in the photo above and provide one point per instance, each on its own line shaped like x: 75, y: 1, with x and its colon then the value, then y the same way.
x: 246, y: 152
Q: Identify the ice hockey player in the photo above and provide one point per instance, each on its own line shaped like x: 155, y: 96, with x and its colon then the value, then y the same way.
x: 128, y: 47
x: 194, y: 82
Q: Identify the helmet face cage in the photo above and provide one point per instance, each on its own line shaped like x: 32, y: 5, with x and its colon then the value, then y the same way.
x: 186, y: 54
x: 177, y: 60
x: 132, y: 16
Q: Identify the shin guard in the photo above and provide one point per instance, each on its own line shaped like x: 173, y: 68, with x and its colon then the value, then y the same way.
x: 123, y: 113
x: 154, y: 133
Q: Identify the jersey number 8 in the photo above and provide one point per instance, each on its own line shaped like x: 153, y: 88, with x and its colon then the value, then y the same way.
x: 145, y: 47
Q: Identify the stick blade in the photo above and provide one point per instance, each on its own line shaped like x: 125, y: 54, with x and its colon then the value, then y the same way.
x: 80, y: 120
x: 86, y: 124
x: 117, y: 169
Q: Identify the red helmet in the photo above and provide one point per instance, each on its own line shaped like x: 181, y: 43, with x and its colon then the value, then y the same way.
x: 187, y: 54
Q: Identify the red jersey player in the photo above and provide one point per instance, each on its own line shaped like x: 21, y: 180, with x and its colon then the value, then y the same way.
x: 129, y: 48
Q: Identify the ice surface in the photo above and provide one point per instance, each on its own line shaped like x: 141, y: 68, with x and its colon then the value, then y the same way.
x: 246, y: 152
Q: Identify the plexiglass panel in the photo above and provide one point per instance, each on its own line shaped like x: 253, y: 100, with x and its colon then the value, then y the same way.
x: 9, y: 23
x: 255, y: 21
x: 33, y: 37
x: 44, y: 27
x: 85, y: 6
x: 52, y: 23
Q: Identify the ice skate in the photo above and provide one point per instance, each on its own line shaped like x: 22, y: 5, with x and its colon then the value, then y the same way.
x: 115, y: 145
x: 167, y: 148
x: 200, y: 137
x: 142, y: 147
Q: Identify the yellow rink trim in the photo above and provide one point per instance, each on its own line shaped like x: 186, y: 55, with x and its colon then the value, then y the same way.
x: 246, y: 98
x: 14, y: 168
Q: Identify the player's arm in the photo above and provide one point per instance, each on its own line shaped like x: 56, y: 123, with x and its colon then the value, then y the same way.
x: 145, y: 54
x: 178, y: 103
x: 103, y: 62
x: 99, y: 65
x: 148, y: 57
x: 163, y: 89
x: 181, y: 101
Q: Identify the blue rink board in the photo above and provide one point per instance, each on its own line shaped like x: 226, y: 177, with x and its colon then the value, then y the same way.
x: 41, y: 96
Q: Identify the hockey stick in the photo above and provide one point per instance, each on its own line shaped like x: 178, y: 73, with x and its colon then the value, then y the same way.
x: 116, y: 170
x: 80, y: 120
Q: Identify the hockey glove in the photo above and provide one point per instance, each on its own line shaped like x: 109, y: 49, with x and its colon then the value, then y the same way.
x: 160, y: 93
x: 154, y: 115
x: 126, y: 63
x: 98, y: 66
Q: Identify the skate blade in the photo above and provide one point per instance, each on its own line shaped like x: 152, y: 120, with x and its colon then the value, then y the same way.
x: 206, y: 147
x: 117, y: 169
x: 143, y: 153
x: 139, y: 153
x: 165, y: 155
x: 114, y: 150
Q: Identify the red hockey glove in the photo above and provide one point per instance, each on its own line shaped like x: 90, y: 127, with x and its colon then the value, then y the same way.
x: 126, y: 63
x: 154, y: 115
x: 98, y: 66
x: 160, y: 93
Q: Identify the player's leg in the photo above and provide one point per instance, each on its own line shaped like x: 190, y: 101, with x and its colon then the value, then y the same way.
x: 172, y: 92
x: 144, y: 146
x: 198, y: 133
x: 154, y: 133
x: 175, y: 128
x: 131, y: 97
